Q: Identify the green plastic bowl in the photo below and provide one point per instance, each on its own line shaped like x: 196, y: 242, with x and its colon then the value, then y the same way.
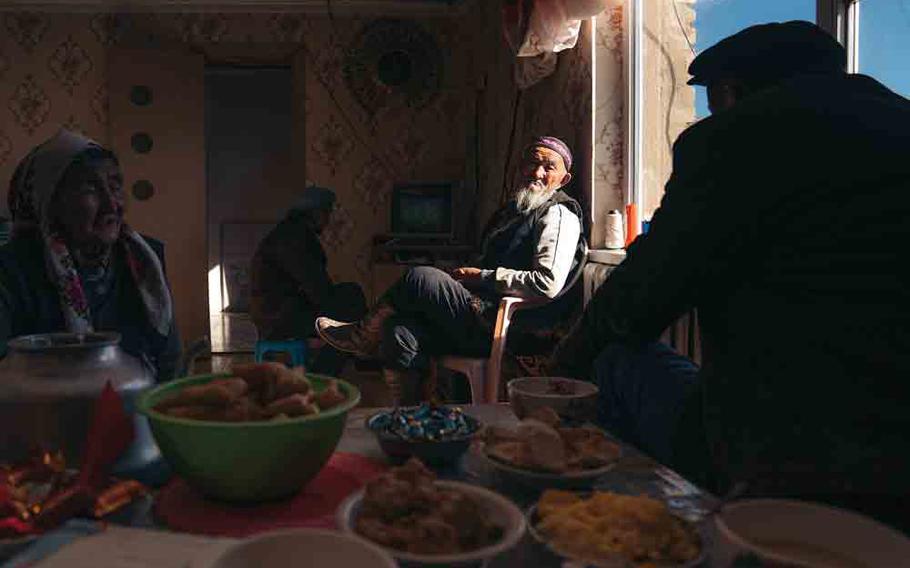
x: 247, y: 462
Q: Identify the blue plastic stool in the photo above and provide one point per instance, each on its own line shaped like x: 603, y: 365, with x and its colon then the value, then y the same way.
x: 297, y: 348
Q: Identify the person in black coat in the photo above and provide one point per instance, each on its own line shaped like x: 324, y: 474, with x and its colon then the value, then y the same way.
x: 784, y: 223
x: 290, y: 285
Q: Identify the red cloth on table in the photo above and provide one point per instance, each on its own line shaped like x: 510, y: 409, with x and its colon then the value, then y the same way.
x: 181, y: 508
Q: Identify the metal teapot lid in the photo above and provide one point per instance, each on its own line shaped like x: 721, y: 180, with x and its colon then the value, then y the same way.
x: 59, y: 341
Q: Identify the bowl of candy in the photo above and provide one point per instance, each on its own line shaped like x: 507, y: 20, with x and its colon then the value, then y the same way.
x: 436, y: 435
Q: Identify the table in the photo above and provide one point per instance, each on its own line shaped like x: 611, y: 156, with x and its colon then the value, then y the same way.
x: 634, y: 472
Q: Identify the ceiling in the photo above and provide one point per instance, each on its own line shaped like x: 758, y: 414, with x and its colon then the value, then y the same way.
x: 390, y: 7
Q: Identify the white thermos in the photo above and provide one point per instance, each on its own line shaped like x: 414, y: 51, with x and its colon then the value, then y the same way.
x: 615, y: 236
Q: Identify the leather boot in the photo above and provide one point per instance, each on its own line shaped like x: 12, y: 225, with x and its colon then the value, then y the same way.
x: 361, y: 338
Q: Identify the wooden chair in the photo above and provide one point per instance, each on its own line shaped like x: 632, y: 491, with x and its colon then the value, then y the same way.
x: 483, y: 374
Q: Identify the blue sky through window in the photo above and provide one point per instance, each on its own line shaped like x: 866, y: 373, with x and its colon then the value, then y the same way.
x: 884, y: 32
x: 884, y: 42
x: 717, y: 19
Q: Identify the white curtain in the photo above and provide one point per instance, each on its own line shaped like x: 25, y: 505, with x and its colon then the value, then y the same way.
x: 538, y: 29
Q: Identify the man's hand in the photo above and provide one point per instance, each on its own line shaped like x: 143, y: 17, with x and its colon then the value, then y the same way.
x: 467, y: 274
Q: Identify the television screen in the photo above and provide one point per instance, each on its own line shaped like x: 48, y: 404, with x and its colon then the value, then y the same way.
x: 422, y: 210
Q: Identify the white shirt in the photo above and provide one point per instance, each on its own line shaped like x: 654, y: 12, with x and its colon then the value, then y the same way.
x: 557, y: 241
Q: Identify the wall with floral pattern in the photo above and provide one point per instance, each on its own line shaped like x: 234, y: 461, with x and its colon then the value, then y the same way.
x: 53, y: 73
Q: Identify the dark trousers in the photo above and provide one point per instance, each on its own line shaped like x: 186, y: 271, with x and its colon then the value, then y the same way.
x: 650, y: 397
x: 434, y: 315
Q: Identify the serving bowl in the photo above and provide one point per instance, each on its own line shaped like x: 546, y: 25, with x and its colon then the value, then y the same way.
x: 318, y: 548
x: 574, y: 401
x: 495, y: 507
x: 798, y: 534
x: 247, y: 462
x: 618, y: 561
x: 430, y: 452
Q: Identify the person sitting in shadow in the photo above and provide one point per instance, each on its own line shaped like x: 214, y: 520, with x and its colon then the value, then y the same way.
x: 289, y: 281
x: 74, y: 265
x: 532, y: 247
x: 784, y: 223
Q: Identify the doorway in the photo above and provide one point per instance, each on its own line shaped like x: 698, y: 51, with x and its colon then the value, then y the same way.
x: 251, y: 182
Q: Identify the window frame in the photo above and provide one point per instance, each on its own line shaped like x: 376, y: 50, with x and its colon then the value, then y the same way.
x: 839, y: 17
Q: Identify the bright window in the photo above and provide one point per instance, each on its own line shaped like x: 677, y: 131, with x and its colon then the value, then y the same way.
x: 661, y: 37
x: 884, y: 42
x: 673, y: 32
x: 717, y: 19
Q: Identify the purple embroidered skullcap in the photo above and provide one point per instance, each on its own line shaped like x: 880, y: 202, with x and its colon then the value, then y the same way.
x: 555, y: 144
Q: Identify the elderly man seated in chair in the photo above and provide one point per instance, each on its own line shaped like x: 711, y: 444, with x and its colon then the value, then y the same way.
x: 531, y: 248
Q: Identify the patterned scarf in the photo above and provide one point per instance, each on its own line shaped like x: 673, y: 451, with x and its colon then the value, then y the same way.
x: 32, y: 190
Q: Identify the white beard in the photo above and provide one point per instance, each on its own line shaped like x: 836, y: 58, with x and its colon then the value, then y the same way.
x: 531, y: 196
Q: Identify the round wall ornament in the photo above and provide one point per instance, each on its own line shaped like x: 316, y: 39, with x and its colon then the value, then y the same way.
x: 393, y: 62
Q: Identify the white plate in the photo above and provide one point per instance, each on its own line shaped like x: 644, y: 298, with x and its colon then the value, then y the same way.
x: 495, y: 507
x: 543, y: 480
x: 746, y: 528
x: 310, y: 547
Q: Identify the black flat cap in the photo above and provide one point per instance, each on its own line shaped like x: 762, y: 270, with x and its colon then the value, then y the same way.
x: 769, y: 53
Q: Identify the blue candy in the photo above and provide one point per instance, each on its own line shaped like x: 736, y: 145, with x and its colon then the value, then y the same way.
x: 425, y: 422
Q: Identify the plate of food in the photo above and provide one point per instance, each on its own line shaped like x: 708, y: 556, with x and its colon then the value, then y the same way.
x: 612, y: 530
x: 542, y: 453
x: 423, y: 521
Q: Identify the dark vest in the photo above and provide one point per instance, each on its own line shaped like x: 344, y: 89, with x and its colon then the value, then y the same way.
x: 510, y: 241
x: 510, y: 238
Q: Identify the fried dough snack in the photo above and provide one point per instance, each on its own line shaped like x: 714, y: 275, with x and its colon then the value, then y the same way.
x: 271, y: 380
x: 604, y: 525
x: 539, y: 446
x: 260, y: 391
x: 215, y: 393
x: 293, y: 405
x: 404, y: 509
x: 330, y: 396
x: 546, y: 415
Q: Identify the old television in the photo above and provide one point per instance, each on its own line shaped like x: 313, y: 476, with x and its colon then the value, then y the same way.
x: 422, y: 211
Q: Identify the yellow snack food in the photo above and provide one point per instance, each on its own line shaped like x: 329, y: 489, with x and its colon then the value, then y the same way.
x: 604, y: 525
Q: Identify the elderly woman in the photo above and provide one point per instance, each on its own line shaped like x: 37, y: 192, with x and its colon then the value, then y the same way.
x: 73, y: 264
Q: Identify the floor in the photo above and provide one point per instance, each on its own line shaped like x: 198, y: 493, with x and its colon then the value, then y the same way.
x: 232, y: 333
x: 233, y: 339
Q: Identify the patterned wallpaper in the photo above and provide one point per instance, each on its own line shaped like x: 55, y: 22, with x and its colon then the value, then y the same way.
x: 59, y: 79
x: 609, y: 120
x: 559, y: 105
x: 362, y: 146
x: 53, y: 73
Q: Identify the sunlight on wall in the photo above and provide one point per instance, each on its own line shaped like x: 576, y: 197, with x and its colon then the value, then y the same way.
x: 215, y: 301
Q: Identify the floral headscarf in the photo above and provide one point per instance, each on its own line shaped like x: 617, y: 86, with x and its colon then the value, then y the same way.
x: 31, y: 192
